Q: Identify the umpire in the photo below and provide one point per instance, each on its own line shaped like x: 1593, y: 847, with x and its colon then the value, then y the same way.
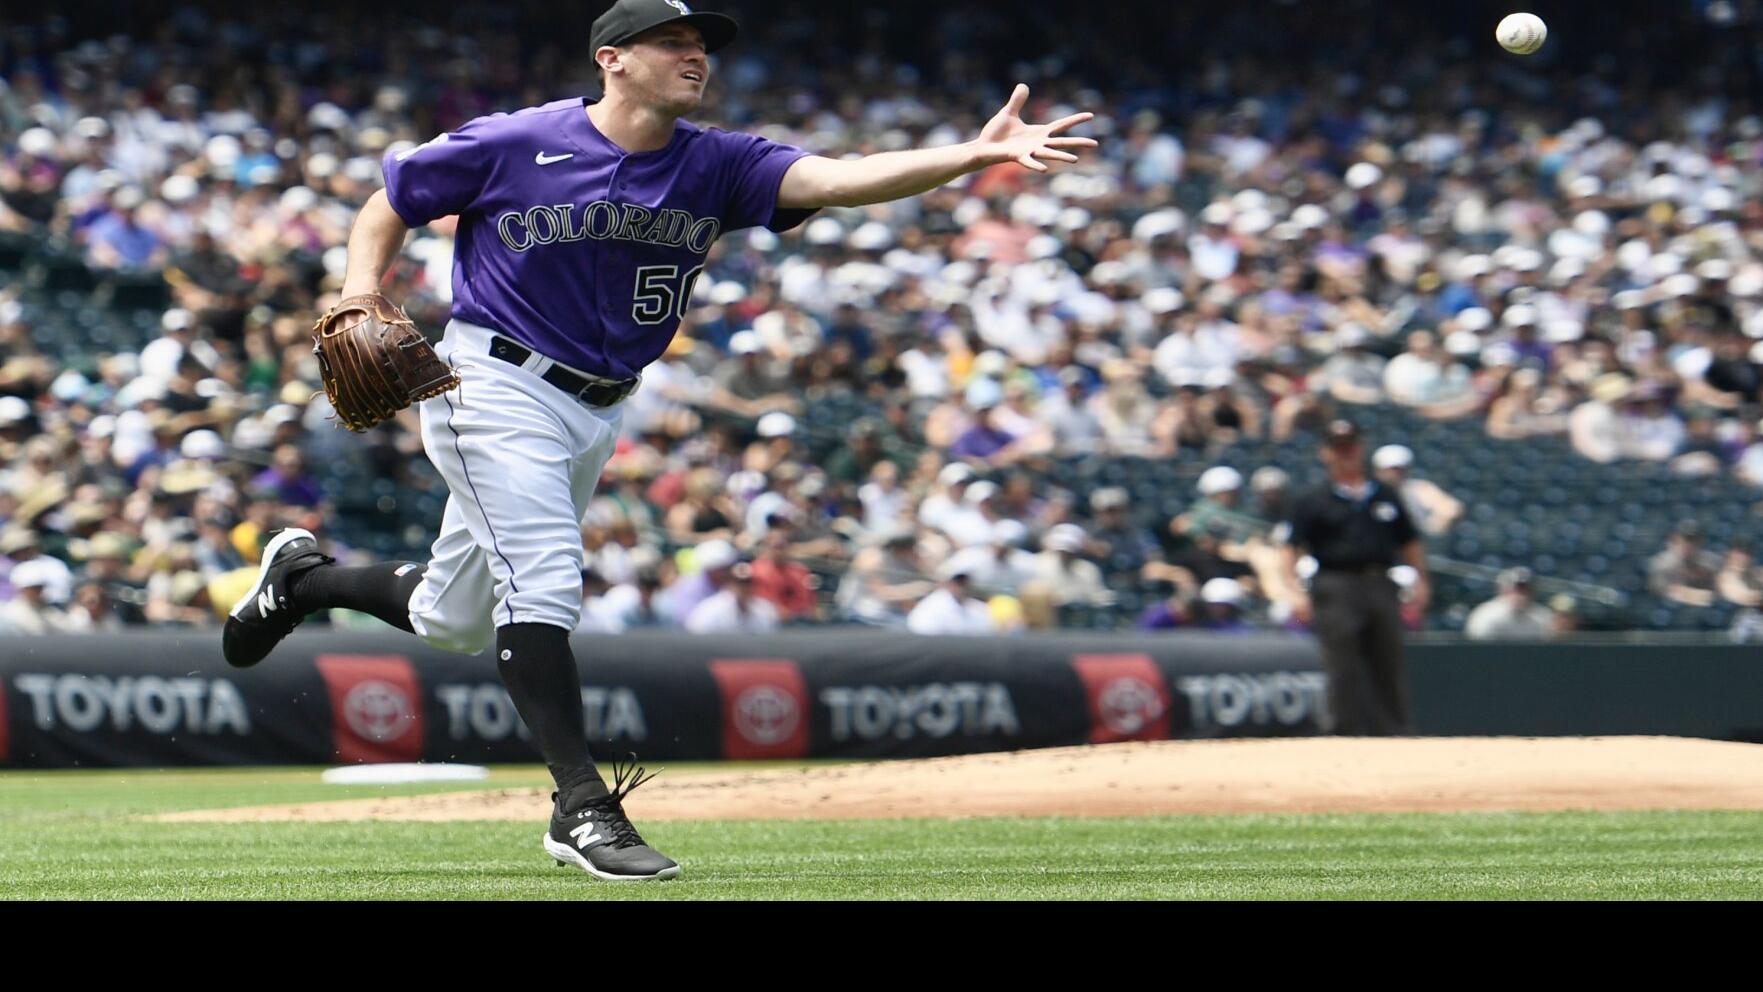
x: 1356, y: 528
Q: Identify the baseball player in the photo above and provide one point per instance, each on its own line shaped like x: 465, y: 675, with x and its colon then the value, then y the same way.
x: 583, y: 226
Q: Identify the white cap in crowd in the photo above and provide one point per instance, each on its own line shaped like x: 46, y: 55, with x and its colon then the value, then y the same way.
x: 712, y: 555
x: 202, y: 444
x: 1392, y: 456
x: 1227, y: 592
x: 979, y: 492
x: 954, y: 474
x: 1219, y: 479
x: 34, y: 574
x: 776, y: 424
x: 1065, y: 537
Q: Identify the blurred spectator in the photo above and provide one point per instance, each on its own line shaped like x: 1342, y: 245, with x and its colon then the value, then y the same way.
x: 854, y: 463
x: 705, y: 514
x: 952, y: 609
x: 734, y: 608
x: 1124, y: 409
x: 1524, y: 410
x: 1224, y: 601
x: 1513, y: 615
x: 1068, y: 416
x: 883, y: 500
x: 1425, y: 377
x: 1220, y: 489
x: 90, y: 611
x: 1353, y: 374
x: 19, y: 547
x: 636, y: 604
x: 120, y: 239
x: 28, y: 611
x: 288, y: 477
x: 1684, y: 572
x: 1001, y: 566
x: 752, y: 383
x: 1701, y: 452
x: 1648, y: 427
x: 712, y: 561
x: 1125, y: 546
x: 781, y: 582
x: 1596, y: 426
x: 1064, y: 575
x: 884, y: 581
x: 1174, y: 612
x: 1740, y: 580
x: 942, y: 509
x: 1434, y: 510
x: 1271, y: 490
x: 985, y: 442
x: 106, y: 569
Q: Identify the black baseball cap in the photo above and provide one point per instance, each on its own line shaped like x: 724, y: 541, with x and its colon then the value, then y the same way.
x: 629, y: 18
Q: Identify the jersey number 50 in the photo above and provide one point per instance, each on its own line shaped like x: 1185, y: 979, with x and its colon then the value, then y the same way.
x: 660, y: 293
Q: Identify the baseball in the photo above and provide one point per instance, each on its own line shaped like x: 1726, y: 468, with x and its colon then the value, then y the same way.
x: 1522, y: 34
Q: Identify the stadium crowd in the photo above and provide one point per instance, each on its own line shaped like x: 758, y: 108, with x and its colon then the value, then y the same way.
x: 1260, y: 246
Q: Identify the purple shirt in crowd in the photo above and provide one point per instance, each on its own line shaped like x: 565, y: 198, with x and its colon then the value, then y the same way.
x: 572, y: 246
x: 293, y: 490
x: 980, y: 441
x: 687, y: 593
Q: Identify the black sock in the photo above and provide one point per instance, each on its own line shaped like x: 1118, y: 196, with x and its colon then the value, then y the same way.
x: 382, y: 590
x: 538, y: 668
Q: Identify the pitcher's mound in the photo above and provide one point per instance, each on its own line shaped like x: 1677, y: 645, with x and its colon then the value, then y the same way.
x: 1166, y: 777
x: 1318, y: 775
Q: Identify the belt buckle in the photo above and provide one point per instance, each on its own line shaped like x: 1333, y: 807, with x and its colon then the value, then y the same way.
x: 614, y: 390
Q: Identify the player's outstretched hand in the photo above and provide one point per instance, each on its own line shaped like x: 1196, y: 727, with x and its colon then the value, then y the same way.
x: 1007, y: 138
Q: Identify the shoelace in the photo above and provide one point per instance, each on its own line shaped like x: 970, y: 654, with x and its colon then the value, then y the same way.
x: 625, y: 778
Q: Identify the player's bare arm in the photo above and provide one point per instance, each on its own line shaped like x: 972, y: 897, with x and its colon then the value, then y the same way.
x: 817, y: 181
x: 373, y: 243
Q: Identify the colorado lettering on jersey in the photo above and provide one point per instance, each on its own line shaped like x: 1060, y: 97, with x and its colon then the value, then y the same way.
x: 603, y: 220
x: 631, y: 230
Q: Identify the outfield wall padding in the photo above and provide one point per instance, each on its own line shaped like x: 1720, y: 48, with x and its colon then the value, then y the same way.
x: 332, y: 697
x: 152, y: 699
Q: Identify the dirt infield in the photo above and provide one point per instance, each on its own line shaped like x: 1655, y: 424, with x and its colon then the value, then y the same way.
x: 1177, y: 777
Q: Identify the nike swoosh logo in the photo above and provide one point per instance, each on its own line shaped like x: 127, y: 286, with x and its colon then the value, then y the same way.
x: 544, y: 159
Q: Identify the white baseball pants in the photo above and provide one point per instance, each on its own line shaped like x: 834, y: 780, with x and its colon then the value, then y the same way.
x: 521, y: 459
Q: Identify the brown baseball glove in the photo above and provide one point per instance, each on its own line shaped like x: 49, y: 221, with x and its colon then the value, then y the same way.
x: 375, y: 362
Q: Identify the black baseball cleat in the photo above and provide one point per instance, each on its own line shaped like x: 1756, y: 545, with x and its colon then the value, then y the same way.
x: 599, y: 838
x: 260, y: 620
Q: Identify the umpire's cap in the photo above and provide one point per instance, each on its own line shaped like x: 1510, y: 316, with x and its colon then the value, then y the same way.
x: 629, y: 18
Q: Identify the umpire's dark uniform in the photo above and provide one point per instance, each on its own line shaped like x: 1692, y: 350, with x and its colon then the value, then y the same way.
x: 1356, y: 537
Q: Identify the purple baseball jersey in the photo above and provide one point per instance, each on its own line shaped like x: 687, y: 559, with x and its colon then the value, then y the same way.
x: 574, y: 247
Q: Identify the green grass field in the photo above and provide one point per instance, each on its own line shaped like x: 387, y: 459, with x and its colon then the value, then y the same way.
x: 66, y: 835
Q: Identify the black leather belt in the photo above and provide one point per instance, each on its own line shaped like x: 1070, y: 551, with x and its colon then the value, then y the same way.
x: 590, y: 390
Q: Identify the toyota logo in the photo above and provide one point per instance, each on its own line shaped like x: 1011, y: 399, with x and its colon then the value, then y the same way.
x: 378, y: 711
x: 765, y: 714
x: 1128, y: 705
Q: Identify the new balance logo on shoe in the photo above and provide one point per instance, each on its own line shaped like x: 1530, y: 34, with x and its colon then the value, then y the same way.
x: 266, y: 600
x: 584, y: 834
